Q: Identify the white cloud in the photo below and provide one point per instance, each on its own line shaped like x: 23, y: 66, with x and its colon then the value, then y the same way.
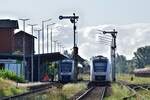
x: 132, y: 36
x: 129, y: 38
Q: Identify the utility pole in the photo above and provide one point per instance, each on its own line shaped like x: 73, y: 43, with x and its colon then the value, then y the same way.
x: 43, y: 34
x: 38, y: 30
x: 24, y: 43
x: 113, y: 50
x: 32, y: 51
x: 63, y: 48
x: 47, y: 38
x: 58, y: 46
x: 73, y: 20
x: 55, y: 42
x: 51, y: 36
x: 24, y: 20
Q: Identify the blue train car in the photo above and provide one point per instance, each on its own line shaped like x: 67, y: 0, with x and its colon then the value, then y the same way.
x: 66, y: 71
x: 100, y: 69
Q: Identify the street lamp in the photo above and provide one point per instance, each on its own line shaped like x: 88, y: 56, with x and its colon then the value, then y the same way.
x: 58, y: 46
x: 24, y: 20
x: 32, y: 51
x: 43, y: 33
x: 55, y: 42
x: 38, y: 31
x: 63, y: 49
x: 24, y: 42
x: 50, y: 36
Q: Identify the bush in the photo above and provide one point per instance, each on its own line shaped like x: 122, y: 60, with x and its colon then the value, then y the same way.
x: 7, y: 74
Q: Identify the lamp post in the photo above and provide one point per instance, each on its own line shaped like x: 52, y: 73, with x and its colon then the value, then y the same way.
x: 24, y: 20
x: 38, y: 30
x: 55, y: 42
x: 51, y: 36
x: 63, y: 48
x: 58, y: 46
x: 24, y: 42
x: 43, y: 33
x: 32, y: 51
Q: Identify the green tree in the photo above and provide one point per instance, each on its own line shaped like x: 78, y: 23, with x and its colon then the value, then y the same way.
x: 52, y: 70
x: 142, y: 57
x: 130, y: 65
x: 121, y: 64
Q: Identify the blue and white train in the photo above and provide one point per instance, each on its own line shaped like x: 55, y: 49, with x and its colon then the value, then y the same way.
x: 66, y: 71
x: 100, y: 69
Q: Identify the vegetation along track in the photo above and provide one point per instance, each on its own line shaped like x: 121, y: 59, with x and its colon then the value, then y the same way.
x: 135, y: 88
x: 93, y: 93
x: 41, y: 89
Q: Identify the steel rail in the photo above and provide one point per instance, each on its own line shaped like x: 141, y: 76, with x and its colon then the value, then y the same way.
x: 90, y: 90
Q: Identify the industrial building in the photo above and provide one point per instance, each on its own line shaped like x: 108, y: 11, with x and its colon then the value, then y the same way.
x: 11, y: 52
x: 142, y: 72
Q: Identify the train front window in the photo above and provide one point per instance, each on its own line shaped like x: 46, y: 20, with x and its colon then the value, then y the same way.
x: 66, y: 67
x: 100, y: 66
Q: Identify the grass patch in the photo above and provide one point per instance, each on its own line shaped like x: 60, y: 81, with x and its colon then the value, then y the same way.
x: 136, y: 80
x: 8, y: 88
x: 144, y: 93
x: 84, y: 76
x: 72, y: 88
x: 118, y: 92
x: 53, y: 94
x: 64, y: 93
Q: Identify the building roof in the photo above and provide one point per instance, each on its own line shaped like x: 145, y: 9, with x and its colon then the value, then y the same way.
x: 50, y: 56
x: 9, y: 56
x: 22, y: 33
x: 142, y: 70
x: 7, y: 23
x: 44, y: 57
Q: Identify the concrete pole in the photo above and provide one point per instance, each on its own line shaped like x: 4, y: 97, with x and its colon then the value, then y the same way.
x: 32, y: 53
x: 47, y: 38
x: 43, y: 34
x: 39, y: 30
x: 51, y: 40
x: 24, y: 43
x: 55, y: 42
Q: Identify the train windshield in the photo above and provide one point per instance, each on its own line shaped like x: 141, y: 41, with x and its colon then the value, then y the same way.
x: 100, y: 66
x: 66, y: 67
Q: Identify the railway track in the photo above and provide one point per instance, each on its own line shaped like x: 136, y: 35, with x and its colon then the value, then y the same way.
x: 134, y: 88
x: 93, y: 93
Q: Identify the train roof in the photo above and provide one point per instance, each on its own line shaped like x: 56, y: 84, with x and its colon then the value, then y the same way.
x: 67, y: 60
x: 99, y: 57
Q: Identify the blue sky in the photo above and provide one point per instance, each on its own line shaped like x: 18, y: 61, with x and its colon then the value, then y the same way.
x: 129, y: 17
